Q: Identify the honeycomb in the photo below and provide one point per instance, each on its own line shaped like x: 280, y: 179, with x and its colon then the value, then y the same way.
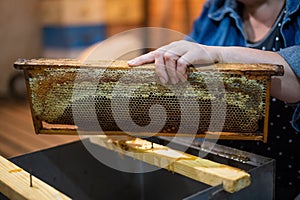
x: 70, y: 95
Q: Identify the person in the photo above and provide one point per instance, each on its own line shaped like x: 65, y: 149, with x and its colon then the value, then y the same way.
x: 248, y: 31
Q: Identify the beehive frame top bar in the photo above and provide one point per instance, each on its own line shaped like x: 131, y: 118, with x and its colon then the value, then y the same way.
x: 238, y: 68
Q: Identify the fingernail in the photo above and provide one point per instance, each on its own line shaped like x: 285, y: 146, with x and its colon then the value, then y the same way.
x: 131, y: 62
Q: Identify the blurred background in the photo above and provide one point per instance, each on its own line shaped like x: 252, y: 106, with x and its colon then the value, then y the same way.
x: 64, y: 29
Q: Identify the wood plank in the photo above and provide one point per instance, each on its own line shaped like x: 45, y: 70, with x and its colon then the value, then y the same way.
x: 15, y: 184
x: 199, y: 169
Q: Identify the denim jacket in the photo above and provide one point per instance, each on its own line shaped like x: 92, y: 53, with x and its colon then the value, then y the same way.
x: 220, y: 25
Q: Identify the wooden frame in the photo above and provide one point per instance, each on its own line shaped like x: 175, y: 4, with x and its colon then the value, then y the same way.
x: 254, y: 71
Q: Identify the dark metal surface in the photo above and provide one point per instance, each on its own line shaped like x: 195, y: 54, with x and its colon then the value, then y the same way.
x: 74, y: 171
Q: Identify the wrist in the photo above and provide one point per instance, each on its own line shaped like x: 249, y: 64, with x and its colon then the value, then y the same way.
x: 215, y: 53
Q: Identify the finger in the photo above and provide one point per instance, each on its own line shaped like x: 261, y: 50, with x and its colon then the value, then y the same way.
x: 175, y: 48
x: 182, y: 65
x: 170, y: 60
x: 160, y: 67
x: 143, y: 59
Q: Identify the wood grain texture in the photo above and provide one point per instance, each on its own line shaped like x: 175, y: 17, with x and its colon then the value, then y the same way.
x: 17, y: 135
x: 15, y: 184
x: 236, y: 68
x: 199, y: 169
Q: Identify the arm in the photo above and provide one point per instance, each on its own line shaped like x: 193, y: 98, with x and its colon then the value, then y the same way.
x: 286, y: 87
x: 173, y: 59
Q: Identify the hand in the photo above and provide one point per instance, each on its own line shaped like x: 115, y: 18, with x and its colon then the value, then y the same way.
x: 171, y: 61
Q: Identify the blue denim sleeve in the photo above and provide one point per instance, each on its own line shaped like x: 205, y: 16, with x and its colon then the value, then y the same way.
x: 292, y: 57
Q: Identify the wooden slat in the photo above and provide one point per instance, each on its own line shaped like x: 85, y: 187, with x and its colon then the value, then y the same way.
x: 15, y: 184
x: 203, y: 170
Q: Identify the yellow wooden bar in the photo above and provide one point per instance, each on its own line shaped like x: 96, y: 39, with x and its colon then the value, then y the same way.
x: 199, y: 169
x: 16, y: 183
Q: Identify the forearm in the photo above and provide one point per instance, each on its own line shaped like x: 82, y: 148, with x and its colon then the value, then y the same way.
x: 286, y: 87
x: 171, y: 62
